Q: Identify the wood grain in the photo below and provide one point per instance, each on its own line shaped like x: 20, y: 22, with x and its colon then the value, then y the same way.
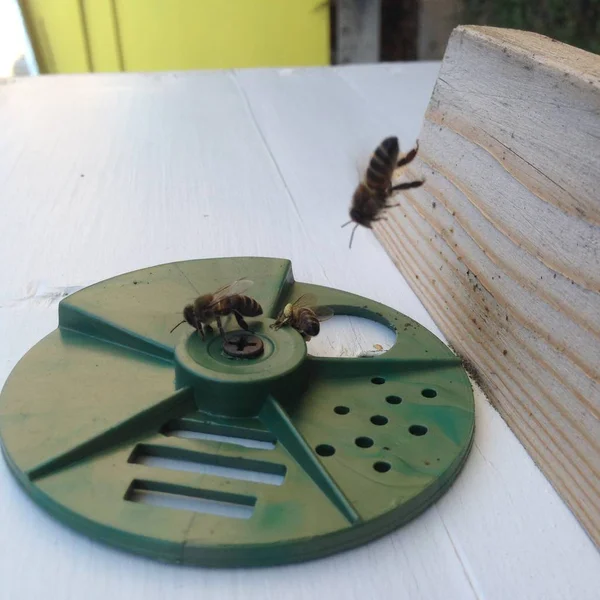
x: 503, y: 242
x: 104, y: 174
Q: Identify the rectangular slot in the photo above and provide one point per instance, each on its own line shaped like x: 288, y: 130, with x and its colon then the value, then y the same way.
x: 176, y: 497
x: 238, y: 436
x: 180, y: 459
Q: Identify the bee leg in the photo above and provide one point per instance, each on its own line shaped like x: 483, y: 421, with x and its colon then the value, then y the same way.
x: 408, y: 157
x: 241, y: 322
x: 407, y: 186
x: 220, y: 326
x: 198, y: 326
x: 392, y: 205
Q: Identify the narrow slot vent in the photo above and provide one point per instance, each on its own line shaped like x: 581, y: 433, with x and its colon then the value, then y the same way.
x: 180, y: 459
x: 239, y: 436
x: 177, y: 497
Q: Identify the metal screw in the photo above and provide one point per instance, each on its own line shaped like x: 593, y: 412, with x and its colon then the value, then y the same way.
x: 243, y: 345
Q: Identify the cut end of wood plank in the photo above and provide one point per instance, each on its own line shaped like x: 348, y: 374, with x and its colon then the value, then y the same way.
x: 536, y: 47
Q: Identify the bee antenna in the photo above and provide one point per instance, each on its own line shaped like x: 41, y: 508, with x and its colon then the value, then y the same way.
x: 176, y: 326
x: 352, y: 236
x: 348, y: 223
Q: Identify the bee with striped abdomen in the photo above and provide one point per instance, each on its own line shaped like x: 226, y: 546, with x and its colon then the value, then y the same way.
x: 228, y: 300
x: 371, y: 196
x: 304, y: 316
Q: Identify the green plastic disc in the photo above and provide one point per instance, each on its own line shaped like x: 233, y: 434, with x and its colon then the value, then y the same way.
x: 162, y: 444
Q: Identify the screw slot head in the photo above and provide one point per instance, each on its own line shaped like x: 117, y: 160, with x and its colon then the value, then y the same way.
x: 243, y: 345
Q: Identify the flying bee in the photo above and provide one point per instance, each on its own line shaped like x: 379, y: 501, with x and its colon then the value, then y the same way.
x: 227, y: 300
x: 371, y: 196
x: 304, y: 316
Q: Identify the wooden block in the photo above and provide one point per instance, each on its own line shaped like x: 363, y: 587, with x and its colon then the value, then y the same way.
x: 502, y: 243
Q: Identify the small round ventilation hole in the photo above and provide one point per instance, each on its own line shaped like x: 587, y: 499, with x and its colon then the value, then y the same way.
x: 417, y: 430
x: 341, y: 410
x: 429, y: 393
x: 363, y: 442
x: 379, y: 420
x: 378, y: 380
x: 325, y: 450
x: 393, y: 399
x: 382, y: 467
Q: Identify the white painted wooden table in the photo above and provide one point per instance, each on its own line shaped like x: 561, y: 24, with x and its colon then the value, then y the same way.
x: 104, y: 174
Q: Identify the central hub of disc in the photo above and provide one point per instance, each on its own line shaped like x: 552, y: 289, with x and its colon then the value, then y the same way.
x: 234, y: 377
x: 243, y: 345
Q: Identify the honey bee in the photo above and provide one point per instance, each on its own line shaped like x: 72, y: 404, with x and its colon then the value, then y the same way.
x: 371, y: 196
x: 304, y: 316
x: 227, y: 300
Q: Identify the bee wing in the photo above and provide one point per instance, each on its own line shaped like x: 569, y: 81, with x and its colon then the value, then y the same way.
x: 239, y: 286
x: 305, y: 300
x: 323, y: 313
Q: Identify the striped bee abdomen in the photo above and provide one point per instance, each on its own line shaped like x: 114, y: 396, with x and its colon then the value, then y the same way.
x: 308, y: 322
x: 382, y: 165
x: 247, y: 306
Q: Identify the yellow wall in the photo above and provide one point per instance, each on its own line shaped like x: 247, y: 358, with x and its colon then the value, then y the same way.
x: 74, y: 36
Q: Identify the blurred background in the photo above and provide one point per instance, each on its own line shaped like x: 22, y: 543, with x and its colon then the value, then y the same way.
x: 80, y: 36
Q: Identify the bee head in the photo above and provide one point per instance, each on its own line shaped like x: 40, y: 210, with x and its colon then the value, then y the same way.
x: 361, y: 218
x: 188, y: 315
x: 283, y: 317
x: 362, y: 210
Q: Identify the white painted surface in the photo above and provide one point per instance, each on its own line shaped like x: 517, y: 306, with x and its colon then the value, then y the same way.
x: 105, y: 174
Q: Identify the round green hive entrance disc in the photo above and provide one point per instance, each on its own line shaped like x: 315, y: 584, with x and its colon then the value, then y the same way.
x: 165, y: 445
